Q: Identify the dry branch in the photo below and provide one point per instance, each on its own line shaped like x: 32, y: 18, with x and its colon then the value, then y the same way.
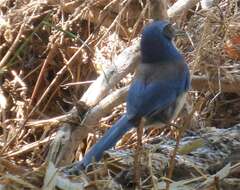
x: 72, y: 139
x: 200, y: 83
x: 180, y: 6
x: 124, y: 64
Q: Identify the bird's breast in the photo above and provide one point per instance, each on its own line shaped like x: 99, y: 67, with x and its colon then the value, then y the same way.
x: 160, y: 71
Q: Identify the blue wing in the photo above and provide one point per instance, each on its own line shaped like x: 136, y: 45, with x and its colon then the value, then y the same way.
x: 147, y: 98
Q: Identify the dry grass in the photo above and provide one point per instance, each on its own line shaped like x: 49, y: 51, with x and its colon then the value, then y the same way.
x: 51, y: 51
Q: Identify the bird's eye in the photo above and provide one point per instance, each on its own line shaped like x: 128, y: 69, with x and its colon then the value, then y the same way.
x: 169, y: 31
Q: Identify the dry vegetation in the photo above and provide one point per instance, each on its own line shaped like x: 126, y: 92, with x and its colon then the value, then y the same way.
x: 65, y: 67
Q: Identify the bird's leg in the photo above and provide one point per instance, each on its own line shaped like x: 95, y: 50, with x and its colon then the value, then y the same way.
x: 138, y: 156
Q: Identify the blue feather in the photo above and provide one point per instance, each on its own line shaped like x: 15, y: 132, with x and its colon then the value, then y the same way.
x: 155, y: 88
x: 109, y: 140
x: 155, y: 46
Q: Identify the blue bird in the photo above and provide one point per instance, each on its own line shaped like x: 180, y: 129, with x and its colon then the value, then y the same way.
x: 157, y: 92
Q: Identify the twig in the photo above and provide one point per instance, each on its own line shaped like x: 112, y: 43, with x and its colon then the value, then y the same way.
x: 137, y: 158
x: 115, y: 21
x: 172, y: 161
x: 28, y: 147
x: 13, y: 47
x: 49, y: 58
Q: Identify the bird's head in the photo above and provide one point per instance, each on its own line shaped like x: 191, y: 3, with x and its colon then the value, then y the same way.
x: 157, y: 45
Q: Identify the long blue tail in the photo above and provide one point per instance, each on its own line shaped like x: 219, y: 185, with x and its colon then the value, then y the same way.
x: 109, y: 139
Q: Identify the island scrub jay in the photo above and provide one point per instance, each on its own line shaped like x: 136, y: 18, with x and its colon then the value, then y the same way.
x: 157, y: 92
